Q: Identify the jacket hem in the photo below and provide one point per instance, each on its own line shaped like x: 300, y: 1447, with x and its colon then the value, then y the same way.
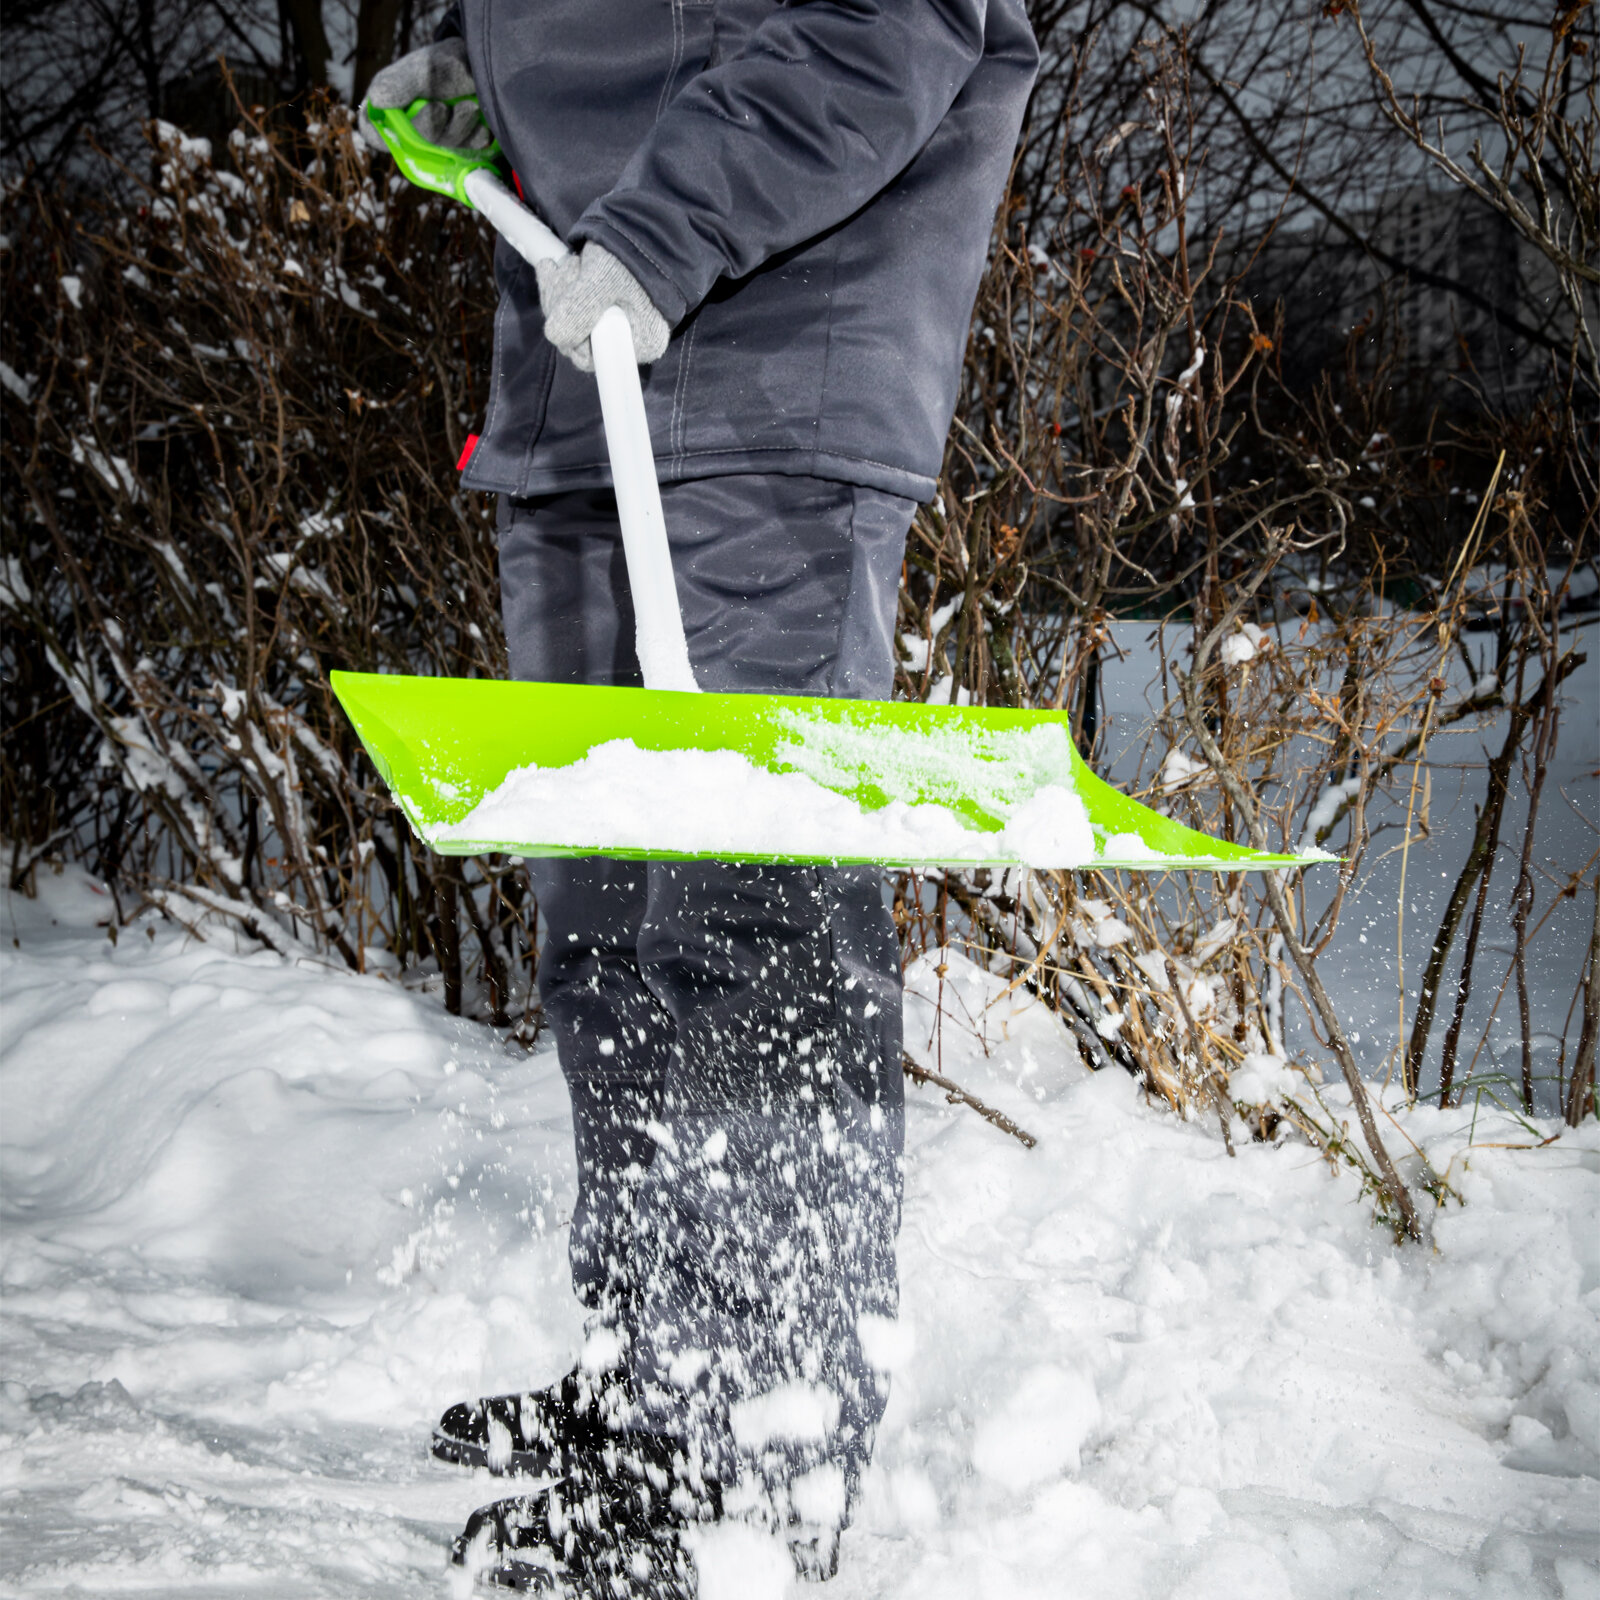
x: 675, y: 468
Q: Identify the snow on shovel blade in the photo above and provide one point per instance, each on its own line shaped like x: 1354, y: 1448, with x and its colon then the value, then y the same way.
x: 544, y: 769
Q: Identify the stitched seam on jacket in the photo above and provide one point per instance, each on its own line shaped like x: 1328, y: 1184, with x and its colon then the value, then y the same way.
x: 497, y: 368
x: 547, y: 371
x: 827, y: 352
x: 494, y: 88
x: 798, y: 450
x: 754, y: 450
x: 677, y: 57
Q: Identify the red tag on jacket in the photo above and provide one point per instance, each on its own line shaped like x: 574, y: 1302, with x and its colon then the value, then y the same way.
x: 466, y: 451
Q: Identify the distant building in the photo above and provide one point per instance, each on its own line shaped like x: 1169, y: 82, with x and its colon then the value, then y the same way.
x: 1429, y: 324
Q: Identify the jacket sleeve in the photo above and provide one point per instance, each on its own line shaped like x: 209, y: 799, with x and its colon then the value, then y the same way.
x: 824, y: 106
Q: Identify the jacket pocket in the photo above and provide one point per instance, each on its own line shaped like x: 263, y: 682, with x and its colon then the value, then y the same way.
x: 693, y: 42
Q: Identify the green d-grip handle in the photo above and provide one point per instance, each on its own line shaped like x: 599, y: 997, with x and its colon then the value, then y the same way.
x: 429, y: 165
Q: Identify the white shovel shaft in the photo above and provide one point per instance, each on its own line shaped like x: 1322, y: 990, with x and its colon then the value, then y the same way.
x: 658, y: 621
x: 512, y: 220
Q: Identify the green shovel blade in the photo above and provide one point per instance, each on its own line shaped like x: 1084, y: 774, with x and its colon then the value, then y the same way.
x: 445, y: 744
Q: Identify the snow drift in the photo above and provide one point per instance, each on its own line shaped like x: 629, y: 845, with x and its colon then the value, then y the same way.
x: 263, y: 1221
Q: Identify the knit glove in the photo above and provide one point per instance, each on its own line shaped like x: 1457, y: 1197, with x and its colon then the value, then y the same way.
x: 437, y: 73
x: 576, y: 290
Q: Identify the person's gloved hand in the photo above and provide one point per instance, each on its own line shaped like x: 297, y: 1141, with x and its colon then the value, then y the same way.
x: 576, y: 290
x: 436, y: 72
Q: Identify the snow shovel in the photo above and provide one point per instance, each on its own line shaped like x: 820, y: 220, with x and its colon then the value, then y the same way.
x: 666, y: 772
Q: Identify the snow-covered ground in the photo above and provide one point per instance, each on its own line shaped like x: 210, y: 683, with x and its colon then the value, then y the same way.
x: 263, y: 1222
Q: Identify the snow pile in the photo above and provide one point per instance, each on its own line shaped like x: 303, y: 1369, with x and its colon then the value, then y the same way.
x: 1283, y: 1402
x: 1262, y: 1079
x: 716, y: 801
x: 260, y: 1223
x: 263, y: 1221
x: 1245, y: 644
x: 1179, y: 770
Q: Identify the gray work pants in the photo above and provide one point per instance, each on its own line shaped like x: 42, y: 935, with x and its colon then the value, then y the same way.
x: 730, y: 1034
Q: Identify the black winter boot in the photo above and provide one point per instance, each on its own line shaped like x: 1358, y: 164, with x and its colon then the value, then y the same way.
x: 539, y: 1434
x: 611, y: 1532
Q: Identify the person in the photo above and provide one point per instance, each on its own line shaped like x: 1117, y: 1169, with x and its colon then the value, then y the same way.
x: 792, y: 201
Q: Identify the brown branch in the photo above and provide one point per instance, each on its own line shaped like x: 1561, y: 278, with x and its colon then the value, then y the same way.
x: 956, y: 1095
x: 1304, y: 959
x: 1580, y: 1096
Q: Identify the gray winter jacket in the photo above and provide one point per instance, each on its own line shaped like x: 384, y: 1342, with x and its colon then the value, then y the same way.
x: 805, y: 188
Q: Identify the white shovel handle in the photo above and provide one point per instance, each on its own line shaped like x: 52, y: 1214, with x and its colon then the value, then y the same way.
x: 658, y: 621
